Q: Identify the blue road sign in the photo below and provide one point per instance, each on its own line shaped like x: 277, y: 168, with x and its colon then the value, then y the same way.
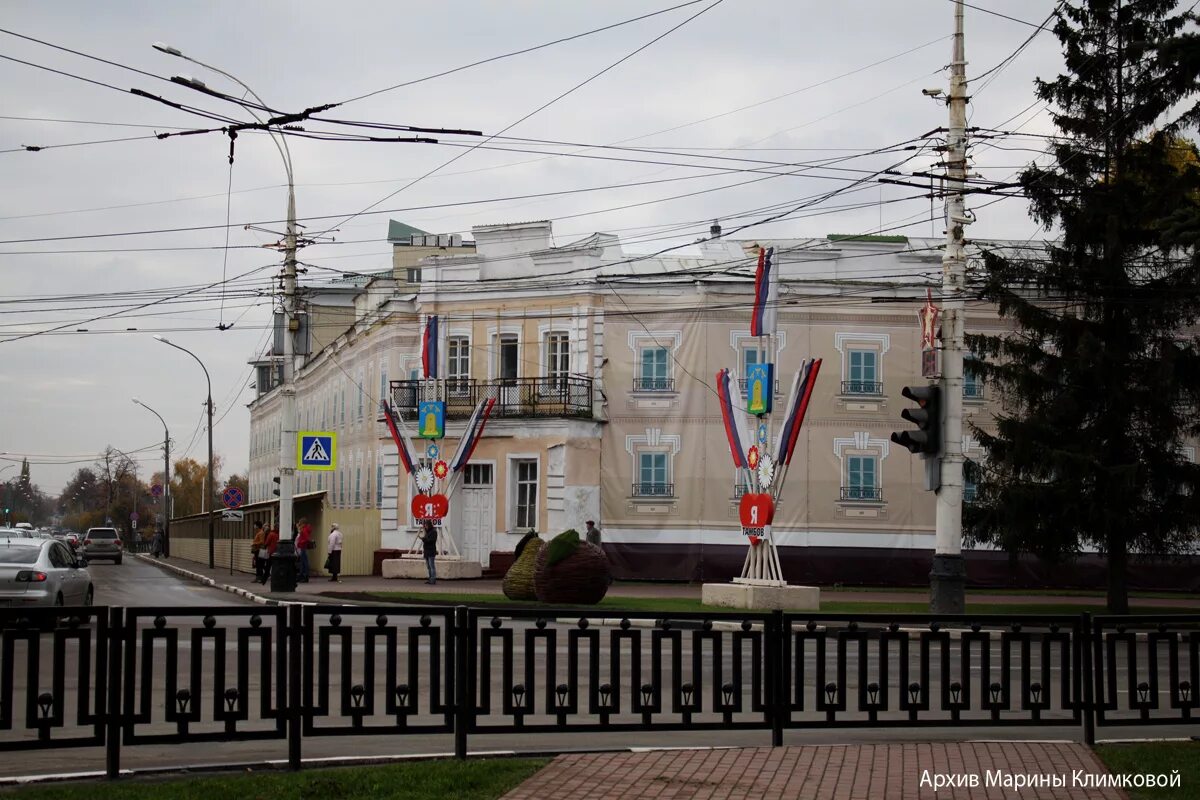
x: 232, y: 497
x: 316, y: 450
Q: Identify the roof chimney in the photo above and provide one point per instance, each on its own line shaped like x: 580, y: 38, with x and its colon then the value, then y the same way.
x: 715, y: 230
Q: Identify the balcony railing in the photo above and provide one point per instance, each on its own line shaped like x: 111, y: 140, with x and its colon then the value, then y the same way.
x: 873, y: 388
x: 653, y: 384
x: 862, y: 493
x: 654, y: 489
x: 558, y: 396
x: 973, y: 390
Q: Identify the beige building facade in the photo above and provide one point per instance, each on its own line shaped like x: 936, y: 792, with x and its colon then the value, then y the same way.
x: 602, y: 365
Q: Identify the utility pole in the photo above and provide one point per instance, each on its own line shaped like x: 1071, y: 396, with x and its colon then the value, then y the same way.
x: 284, y: 565
x: 948, y: 574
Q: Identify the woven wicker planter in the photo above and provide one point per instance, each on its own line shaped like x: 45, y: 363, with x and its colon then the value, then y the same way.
x: 518, y: 581
x: 580, y: 578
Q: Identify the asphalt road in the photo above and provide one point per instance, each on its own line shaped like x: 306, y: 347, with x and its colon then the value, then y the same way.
x: 136, y: 583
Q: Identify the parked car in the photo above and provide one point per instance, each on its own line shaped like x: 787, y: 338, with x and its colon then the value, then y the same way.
x: 102, y: 543
x: 42, y: 572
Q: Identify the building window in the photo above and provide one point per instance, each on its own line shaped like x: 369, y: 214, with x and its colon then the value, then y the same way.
x: 412, y: 274
x: 361, y: 393
x: 863, y: 373
x: 972, y: 380
x: 458, y: 369
x: 655, y: 372
x: 379, y: 482
x: 526, y: 493
x: 558, y: 358
x: 358, y: 485
x: 970, y: 490
x: 342, y: 486
x: 508, y: 357
x: 862, y: 478
x: 383, y: 381
x: 343, y: 403
x: 652, y: 476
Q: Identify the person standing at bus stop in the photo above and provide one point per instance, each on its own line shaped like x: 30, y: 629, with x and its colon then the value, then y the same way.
x: 304, y: 543
x: 333, y: 561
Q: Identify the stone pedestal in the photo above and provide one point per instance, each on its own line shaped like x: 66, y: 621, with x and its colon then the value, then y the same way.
x: 763, y: 596
x: 449, y: 568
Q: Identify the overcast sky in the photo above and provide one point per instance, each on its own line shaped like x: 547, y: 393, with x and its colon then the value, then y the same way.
x: 65, y: 395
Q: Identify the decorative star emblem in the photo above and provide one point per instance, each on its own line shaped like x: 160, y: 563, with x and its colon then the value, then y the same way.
x: 766, y: 471
x: 424, y: 479
x: 440, y: 469
x: 432, y: 451
x: 762, y: 433
x: 752, y: 457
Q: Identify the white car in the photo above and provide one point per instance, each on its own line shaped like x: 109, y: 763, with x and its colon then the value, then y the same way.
x: 41, y: 572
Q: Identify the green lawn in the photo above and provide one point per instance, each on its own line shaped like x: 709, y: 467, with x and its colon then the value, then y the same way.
x: 1156, y: 758
x: 678, y: 604
x: 477, y: 779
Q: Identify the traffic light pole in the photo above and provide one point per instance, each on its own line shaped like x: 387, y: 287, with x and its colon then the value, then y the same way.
x: 948, y: 574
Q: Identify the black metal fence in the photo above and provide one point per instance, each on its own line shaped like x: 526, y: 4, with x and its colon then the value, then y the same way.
x: 120, y: 678
x: 555, y: 396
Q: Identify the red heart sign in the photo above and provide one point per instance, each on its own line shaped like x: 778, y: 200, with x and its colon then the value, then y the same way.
x: 430, y: 506
x: 756, y: 510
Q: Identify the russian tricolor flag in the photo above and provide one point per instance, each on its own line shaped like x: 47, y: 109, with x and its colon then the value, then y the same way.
x: 472, y: 434
x: 735, y: 422
x: 766, y: 295
x: 797, y: 407
x: 429, y: 347
x: 401, y: 440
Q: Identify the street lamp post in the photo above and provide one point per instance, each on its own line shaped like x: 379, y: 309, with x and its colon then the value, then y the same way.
x: 207, y: 500
x: 166, y: 540
x: 284, y: 562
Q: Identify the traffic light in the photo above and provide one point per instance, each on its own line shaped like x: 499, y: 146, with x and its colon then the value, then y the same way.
x: 275, y: 491
x: 926, y: 440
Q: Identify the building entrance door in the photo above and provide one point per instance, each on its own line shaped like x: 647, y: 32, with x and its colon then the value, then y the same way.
x: 478, y: 514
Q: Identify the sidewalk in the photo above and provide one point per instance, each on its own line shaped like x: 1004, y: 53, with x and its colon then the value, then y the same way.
x: 243, y: 583
x: 824, y: 772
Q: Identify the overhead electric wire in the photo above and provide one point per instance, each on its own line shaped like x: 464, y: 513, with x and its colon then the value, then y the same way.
x: 537, y: 110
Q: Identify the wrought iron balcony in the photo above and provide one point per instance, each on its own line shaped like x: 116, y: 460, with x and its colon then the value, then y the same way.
x: 973, y: 389
x: 653, y: 384
x: 862, y: 493
x: 558, y: 396
x: 872, y: 388
x: 653, y: 489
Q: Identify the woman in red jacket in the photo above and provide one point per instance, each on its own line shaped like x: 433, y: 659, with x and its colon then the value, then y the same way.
x: 304, y: 542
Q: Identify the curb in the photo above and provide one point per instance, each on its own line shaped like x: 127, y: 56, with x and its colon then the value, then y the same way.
x: 207, y: 581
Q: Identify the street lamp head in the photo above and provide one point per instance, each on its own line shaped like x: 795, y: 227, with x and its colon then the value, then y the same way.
x: 163, y: 339
x: 166, y: 48
x: 136, y: 401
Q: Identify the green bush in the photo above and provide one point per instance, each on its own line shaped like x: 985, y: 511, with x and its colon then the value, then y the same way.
x: 561, y: 546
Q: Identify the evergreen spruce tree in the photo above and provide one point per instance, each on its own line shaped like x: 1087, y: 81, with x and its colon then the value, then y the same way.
x: 1099, y: 382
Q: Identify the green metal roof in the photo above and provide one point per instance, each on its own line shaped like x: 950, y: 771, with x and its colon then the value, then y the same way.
x: 855, y: 237
x: 398, y: 231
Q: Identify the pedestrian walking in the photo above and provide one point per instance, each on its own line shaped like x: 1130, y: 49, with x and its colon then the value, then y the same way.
x: 268, y: 550
x: 333, y: 561
x: 157, y: 544
x: 304, y: 543
x: 429, y: 537
x: 592, y: 533
x: 257, y: 546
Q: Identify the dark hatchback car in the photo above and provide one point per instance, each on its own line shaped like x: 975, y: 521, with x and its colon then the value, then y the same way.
x: 102, y: 543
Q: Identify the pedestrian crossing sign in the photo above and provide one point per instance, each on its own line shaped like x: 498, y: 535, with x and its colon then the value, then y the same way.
x: 316, y: 450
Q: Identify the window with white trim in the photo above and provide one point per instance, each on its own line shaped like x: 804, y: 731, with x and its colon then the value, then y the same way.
x: 558, y: 358
x: 525, y: 493
x: 379, y: 479
x: 972, y: 379
x: 652, y: 476
x: 863, y: 373
x: 383, y: 382
x: 862, y: 478
x: 458, y: 367
x: 654, y: 374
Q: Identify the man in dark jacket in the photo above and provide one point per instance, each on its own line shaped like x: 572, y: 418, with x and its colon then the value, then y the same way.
x: 429, y: 537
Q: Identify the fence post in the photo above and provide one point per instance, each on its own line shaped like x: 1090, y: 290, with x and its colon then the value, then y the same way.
x: 295, y: 713
x: 775, y: 682
x: 1088, y: 699
x: 463, y: 692
x: 112, y: 704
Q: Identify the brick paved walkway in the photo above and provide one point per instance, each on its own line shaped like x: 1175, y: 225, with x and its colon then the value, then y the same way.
x: 824, y: 772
